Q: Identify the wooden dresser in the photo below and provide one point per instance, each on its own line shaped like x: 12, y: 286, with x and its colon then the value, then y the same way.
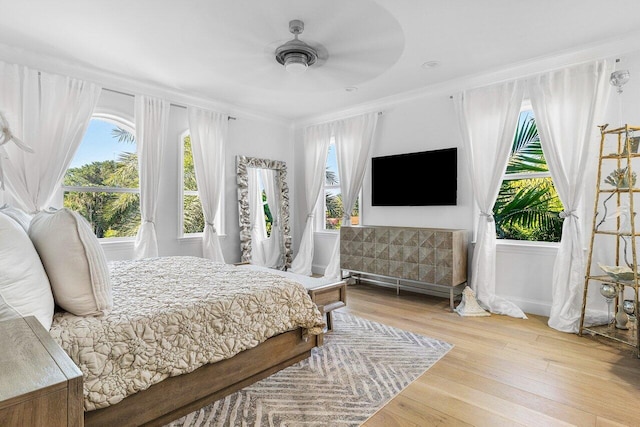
x: 409, y: 256
x: 39, y: 384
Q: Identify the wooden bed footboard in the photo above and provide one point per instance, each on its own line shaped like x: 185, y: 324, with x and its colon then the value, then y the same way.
x: 177, y: 396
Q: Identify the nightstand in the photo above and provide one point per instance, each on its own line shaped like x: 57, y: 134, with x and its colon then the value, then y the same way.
x: 39, y: 384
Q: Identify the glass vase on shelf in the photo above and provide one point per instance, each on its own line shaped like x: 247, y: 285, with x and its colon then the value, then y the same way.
x: 629, y: 307
x: 609, y: 292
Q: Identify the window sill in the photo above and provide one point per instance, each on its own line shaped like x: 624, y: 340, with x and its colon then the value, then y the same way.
x: 116, y: 242
x: 326, y: 233
x: 196, y: 236
x: 526, y: 246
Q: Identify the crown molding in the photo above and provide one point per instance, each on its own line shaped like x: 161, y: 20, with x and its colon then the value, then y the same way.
x: 609, y: 49
x: 125, y: 84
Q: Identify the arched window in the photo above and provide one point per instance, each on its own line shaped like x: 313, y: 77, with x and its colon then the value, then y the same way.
x: 102, y: 180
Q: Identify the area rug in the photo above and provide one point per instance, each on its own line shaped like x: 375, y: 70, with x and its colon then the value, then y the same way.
x: 361, y: 366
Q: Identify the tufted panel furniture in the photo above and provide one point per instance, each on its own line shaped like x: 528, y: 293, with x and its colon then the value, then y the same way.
x: 430, y: 255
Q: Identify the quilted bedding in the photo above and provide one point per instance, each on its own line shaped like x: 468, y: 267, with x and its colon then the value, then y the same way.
x: 172, y: 315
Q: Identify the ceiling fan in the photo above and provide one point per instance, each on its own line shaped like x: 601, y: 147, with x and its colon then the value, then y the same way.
x: 296, y: 55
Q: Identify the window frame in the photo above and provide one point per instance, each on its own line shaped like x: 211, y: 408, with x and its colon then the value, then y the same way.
x: 321, y: 207
x: 525, y: 106
x: 129, y: 126
x: 218, y: 221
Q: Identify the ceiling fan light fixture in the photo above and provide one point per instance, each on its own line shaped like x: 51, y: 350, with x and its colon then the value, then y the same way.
x: 296, y: 55
x: 295, y: 63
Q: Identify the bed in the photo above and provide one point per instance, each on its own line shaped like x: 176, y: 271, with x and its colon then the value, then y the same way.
x: 183, y: 332
x: 328, y: 294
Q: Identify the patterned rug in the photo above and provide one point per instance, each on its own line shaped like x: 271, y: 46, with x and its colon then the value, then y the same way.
x: 361, y: 366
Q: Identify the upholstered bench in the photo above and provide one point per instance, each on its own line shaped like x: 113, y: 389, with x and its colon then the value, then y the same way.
x: 327, y: 294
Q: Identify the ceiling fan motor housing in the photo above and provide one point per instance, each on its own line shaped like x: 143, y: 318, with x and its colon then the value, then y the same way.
x: 296, y: 51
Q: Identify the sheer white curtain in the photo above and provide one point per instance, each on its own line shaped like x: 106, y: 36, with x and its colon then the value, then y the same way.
x: 50, y: 113
x: 208, y: 140
x: 256, y: 217
x: 316, y: 147
x: 272, y: 246
x: 488, y: 117
x: 152, y: 119
x: 354, y: 138
x: 568, y: 105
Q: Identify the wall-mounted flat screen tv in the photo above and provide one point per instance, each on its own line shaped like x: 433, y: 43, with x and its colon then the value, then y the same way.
x: 426, y: 178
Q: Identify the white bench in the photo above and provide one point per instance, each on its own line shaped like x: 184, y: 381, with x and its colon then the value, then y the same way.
x: 327, y: 294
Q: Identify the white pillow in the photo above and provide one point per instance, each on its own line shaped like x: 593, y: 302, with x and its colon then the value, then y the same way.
x: 20, y: 216
x: 24, y: 286
x: 74, y: 261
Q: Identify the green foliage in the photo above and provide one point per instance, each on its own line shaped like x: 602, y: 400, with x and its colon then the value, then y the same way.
x: 123, y: 135
x: 193, y: 215
x: 189, y: 169
x: 526, y: 150
x: 268, y: 217
x: 110, y: 214
x: 528, y: 209
x: 334, y: 211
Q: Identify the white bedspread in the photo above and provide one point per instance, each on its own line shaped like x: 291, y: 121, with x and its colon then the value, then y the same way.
x: 174, y: 314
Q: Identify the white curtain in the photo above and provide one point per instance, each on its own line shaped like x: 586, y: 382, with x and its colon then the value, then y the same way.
x: 354, y: 138
x: 316, y: 147
x: 256, y: 217
x: 208, y: 140
x: 49, y: 113
x: 272, y: 246
x: 152, y: 119
x: 488, y: 117
x: 568, y: 105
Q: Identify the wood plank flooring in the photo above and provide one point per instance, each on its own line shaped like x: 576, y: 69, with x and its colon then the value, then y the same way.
x: 503, y: 371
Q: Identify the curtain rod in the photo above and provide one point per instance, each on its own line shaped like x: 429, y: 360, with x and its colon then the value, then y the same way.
x: 132, y: 95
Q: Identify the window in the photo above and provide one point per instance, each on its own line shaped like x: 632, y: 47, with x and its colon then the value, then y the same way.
x: 528, y: 205
x: 192, y: 217
x: 102, y: 180
x: 333, y: 208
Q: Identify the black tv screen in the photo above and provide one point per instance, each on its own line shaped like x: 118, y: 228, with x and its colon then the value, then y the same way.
x: 426, y: 178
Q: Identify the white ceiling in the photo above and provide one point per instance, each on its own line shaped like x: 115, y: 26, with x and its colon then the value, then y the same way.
x: 223, y: 50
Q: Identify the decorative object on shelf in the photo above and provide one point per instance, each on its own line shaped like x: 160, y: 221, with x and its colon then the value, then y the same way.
x: 621, y: 317
x: 617, y: 272
x: 619, y: 178
x: 629, y: 307
x: 469, y: 305
x: 609, y: 293
x: 634, y: 142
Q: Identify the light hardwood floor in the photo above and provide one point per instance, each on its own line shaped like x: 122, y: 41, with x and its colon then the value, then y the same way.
x: 503, y: 371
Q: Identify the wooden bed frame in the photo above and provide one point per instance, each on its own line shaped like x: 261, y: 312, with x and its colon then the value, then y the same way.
x: 177, y: 396
x: 328, y: 298
x: 180, y: 395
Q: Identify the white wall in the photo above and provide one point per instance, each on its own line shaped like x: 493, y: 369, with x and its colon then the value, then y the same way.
x: 411, y: 122
x: 248, y: 136
x: 428, y: 121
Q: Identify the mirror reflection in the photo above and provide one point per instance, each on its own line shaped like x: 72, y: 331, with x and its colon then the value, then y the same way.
x: 263, y: 202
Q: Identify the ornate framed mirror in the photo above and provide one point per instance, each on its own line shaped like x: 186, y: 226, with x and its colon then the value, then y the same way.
x: 263, y: 207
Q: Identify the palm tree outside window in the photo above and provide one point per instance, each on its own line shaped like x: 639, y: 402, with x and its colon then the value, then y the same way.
x: 192, y: 215
x: 528, y: 205
x: 102, y: 181
x: 333, y: 208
